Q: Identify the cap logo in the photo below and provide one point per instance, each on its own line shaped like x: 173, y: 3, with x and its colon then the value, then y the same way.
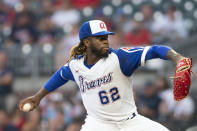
x: 102, y: 25
x: 97, y: 26
x: 93, y: 28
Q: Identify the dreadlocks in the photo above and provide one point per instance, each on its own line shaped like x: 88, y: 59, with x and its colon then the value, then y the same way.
x: 79, y: 49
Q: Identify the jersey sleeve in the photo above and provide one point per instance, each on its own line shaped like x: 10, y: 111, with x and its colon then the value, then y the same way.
x: 60, y: 77
x: 131, y: 58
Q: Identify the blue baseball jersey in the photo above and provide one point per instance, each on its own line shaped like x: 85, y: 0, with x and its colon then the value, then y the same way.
x: 106, y: 86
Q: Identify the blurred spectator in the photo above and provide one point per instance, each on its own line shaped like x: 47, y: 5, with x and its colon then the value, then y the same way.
x: 80, y: 4
x: 75, y: 125
x: 166, y: 95
x: 57, y: 123
x: 65, y: 15
x: 5, y: 122
x: 66, y: 43
x: 47, y: 31
x: 47, y: 8
x: 6, y: 15
x: 75, y: 99
x: 23, y: 30
x: 170, y: 26
x: 6, y: 20
x: 138, y: 35
x: 32, y: 122
x: 148, y: 20
x: 12, y: 3
x: 58, y: 109
x: 170, y: 106
x: 58, y: 113
x: 6, y: 80
x: 173, y: 112
x: 149, y: 101
x: 18, y: 118
x: 121, y: 21
x: 116, y: 41
x: 184, y: 114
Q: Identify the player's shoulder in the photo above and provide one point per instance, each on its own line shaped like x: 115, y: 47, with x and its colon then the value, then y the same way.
x: 78, y: 58
x: 125, y: 50
x: 131, y: 49
x: 75, y: 61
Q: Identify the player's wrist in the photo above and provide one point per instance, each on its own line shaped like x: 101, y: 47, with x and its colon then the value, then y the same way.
x: 42, y: 93
x: 174, y: 56
x: 38, y: 97
x: 179, y: 58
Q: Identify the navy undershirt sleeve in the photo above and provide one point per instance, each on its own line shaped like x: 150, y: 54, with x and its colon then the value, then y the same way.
x: 59, y: 78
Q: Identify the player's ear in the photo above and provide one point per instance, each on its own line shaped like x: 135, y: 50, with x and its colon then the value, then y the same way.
x: 86, y: 42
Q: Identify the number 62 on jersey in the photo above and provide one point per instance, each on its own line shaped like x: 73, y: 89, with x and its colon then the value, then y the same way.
x: 111, y: 95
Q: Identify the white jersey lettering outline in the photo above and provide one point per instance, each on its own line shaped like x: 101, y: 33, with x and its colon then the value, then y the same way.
x: 85, y: 85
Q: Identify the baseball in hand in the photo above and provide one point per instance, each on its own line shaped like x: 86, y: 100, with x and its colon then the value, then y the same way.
x: 26, y: 107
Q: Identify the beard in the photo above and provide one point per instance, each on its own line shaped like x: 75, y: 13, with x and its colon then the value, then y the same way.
x: 99, y: 52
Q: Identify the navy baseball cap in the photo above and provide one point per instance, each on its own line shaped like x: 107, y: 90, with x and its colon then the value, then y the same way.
x: 93, y: 28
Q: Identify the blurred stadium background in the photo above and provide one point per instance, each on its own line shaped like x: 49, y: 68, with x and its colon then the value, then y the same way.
x: 35, y: 39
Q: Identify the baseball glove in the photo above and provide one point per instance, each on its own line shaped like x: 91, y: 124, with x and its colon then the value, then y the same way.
x: 182, y: 79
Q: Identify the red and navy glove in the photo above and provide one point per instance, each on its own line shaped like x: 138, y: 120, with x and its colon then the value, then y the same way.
x: 182, y: 79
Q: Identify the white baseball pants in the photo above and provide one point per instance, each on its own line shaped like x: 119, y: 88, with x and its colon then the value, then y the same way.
x: 138, y: 123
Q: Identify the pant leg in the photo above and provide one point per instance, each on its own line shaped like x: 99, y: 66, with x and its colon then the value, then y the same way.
x: 141, y: 123
x: 92, y: 124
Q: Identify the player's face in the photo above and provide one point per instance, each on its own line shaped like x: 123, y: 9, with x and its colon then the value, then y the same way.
x: 99, y: 45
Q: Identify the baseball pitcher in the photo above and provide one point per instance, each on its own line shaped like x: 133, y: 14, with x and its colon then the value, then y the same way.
x: 104, y: 76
